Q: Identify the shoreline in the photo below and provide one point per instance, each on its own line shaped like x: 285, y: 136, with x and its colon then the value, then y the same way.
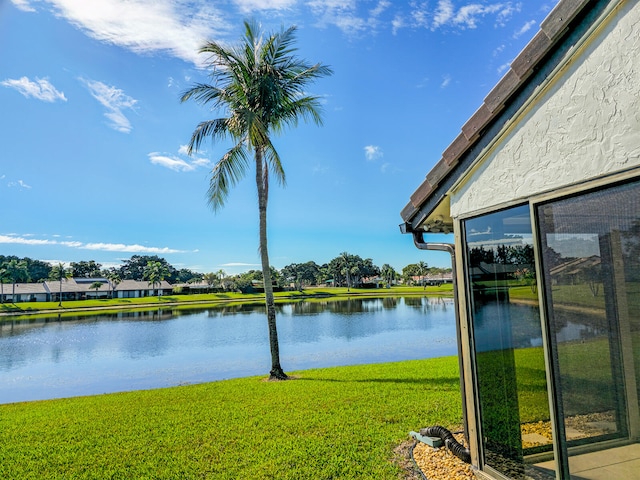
x: 185, y: 302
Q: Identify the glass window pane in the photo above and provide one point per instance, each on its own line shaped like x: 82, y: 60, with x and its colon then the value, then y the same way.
x: 591, y: 260
x: 507, y: 334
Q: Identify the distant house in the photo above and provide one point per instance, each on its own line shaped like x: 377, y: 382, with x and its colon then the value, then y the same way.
x: 75, y: 289
x: 138, y: 289
x: 80, y: 289
x: 24, y: 292
x: 541, y: 189
x: 200, y: 286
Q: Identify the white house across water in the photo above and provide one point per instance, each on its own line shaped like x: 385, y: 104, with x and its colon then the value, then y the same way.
x: 541, y: 190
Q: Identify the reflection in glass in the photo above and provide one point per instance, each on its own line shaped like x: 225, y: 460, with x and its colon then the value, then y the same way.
x: 507, y: 334
x: 591, y: 247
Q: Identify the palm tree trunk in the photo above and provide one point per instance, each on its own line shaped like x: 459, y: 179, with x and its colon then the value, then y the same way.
x: 262, y: 183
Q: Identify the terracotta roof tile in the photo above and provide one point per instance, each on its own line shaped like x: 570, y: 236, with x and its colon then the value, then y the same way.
x: 476, y: 123
x: 560, y: 16
x: 502, y: 91
x: 457, y: 147
x: 439, y: 171
x: 525, y: 62
x: 409, y: 210
x: 422, y: 192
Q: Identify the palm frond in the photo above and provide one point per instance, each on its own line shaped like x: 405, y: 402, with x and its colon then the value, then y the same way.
x: 261, y: 85
x: 273, y: 163
x: 229, y: 170
x: 219, y: 128
x: 203, y: 93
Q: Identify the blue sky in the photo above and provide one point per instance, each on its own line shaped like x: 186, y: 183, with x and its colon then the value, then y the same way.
x: 93, y: 163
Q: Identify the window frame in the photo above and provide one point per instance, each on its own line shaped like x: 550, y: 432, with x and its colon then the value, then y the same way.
x: 560, y: 452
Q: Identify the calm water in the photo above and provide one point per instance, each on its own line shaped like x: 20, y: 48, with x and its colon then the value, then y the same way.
x: 55, y: 358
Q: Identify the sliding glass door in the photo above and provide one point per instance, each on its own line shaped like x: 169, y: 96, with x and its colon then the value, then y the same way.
x: 591, y: 262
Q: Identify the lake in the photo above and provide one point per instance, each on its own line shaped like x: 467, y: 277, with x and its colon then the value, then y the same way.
x: 74, y: 356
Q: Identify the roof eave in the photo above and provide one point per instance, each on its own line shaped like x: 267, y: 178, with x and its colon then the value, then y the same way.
x: 529, y: 69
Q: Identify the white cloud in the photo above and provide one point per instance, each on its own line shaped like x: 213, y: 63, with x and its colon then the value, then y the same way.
x: 397, y: 23
x: 25, y: 241
x: 121, y: 247
x: 379, y: 8
x: 525, y: 28
x: 176, y: 27
x: 201, y: 162
x: 248, y: 6
x: 114, y: 100
x: 106, y: 247
x: 344, y: 15
x: 19, y: 184
x: 444, y: 13
x: 41, y: 89
x: 446, y: 80
x: 178, y: 164
x: 23, y: 5
x: 319, y: 169
x: 504, y: 67
x: 172, y: 163
x: 467, y: 16
x: 373, y: 152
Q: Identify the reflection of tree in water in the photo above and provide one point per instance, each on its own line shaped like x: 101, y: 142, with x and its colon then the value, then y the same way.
x: 429, y: 304
x: 351, y: 306
x: 239, y: 308
x: 340, y: 307
x: 390, y: 302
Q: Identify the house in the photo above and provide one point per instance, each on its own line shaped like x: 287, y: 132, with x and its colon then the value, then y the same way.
x: 542, y: 186
x: 24, y: 292
x: 81, y: 289
x: 137, y: 289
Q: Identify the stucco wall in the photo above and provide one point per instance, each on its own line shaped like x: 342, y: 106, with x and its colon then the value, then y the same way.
x: 586, y: 124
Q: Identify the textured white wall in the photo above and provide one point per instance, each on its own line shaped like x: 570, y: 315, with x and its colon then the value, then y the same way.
x: 587, y: 124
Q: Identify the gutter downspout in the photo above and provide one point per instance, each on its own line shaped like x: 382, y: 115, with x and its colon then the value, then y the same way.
x: 418, y: 240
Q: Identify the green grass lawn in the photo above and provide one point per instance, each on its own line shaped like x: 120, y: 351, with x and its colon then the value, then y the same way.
x: 333, y: 423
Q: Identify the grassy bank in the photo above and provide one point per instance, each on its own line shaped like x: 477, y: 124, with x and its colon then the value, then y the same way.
x: 334, y: 423
x: 29, y: 309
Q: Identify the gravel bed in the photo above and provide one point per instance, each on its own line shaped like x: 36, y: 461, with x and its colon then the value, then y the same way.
x: 440, y: 463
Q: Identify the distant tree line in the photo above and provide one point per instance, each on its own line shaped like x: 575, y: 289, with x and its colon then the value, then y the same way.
x: 345, y: 270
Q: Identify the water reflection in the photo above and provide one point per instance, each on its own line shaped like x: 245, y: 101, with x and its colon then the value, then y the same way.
x: 58, y: 356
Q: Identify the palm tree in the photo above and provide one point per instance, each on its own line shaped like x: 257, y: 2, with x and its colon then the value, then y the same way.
x: 261, y: 85
x: 422, y: 269
x: 155, y: 272
x: 212, y: 279
x: 345, y: 262
x: 59, y: 273
x: 96, y: 286
x: 4, y: 277
x: 17, y: 272
x: 388, y: 274
x: 114, y: 280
